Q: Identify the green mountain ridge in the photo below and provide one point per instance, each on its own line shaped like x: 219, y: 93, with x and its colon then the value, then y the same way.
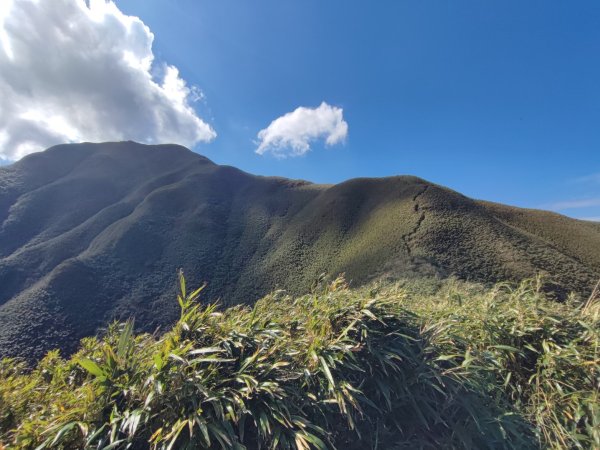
x: 92, y: 232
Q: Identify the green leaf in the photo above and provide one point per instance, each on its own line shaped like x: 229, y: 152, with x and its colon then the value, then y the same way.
x: 317, y: 442
x: 64, y: 430
x: 195, y: 294
x: 91, y: 367
x: 202, y: 425
x: 113, y: 445
x: 182, y: 283
x: 175, y: 432
x: 506, y: 347
x: 220, y: 435
x: 90, y: 440
x: 447, y: 357
x: 158, y: 361
x: 327, y: 371
x: 125, y: 341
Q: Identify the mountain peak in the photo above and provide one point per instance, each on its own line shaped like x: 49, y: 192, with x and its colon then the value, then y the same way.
x: 69, y: 154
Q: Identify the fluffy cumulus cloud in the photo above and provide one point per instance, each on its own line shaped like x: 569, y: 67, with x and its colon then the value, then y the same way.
x: 293, y: 133
x: 72, y: 70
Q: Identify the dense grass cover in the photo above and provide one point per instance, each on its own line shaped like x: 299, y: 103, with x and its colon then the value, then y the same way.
x: 89, y: 234
x: 399, y: 366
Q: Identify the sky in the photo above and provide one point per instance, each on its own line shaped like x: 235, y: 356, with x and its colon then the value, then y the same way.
x: 497, y: 100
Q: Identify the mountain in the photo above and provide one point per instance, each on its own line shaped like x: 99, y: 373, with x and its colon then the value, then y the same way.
x: 93, y: 232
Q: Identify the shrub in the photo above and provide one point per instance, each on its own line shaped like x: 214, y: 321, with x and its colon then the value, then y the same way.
x: 386, y: 366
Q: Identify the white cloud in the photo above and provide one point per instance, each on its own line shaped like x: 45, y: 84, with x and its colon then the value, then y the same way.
x: 292, y: 133
x: 75, y: 71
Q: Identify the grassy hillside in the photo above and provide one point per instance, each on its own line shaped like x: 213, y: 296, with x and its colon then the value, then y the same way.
x: 419, y: 364
x: 93, y: 232
x: 574, y: 238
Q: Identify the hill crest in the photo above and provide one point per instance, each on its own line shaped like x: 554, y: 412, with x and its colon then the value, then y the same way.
x: 91, y: 232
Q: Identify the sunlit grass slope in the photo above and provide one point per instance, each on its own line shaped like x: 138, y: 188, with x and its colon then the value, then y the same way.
x: 409, y: 365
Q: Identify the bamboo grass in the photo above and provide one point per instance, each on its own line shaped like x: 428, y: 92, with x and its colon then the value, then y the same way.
x: 388, y: 366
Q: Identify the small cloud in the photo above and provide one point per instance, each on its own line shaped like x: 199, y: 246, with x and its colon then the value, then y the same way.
x: 574, y: 204
x: 74, y: 70
x: 293, y: 133
x: 590, y: 219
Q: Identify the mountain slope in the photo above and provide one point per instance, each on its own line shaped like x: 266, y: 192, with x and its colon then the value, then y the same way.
x: 91, y: 232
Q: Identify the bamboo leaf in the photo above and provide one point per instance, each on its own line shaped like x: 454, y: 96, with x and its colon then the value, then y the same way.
x: 92, y: 367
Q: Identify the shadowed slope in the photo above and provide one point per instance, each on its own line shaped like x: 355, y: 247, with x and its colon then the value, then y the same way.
x: 96, y: 231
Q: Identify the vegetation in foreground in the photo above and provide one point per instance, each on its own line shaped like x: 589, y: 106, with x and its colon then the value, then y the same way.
x: 397, y: 366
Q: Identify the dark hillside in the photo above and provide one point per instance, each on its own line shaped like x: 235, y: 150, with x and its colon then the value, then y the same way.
x: 90, y: 232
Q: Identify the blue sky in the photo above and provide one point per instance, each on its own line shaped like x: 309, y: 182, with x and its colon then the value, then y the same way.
x: 498, y: 100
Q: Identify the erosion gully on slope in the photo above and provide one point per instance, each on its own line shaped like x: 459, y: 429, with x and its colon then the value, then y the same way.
x: 408, y: 236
